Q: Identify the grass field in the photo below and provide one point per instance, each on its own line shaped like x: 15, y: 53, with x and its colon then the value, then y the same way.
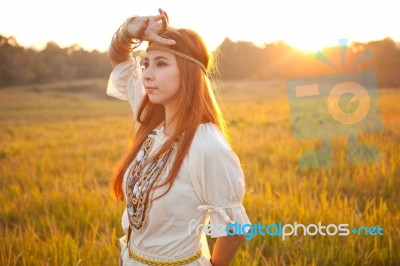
x: 60, y: 142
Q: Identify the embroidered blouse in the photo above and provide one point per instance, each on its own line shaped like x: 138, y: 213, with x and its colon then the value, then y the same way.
x: 209, y: 187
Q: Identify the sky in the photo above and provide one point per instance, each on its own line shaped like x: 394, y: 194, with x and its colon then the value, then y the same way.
x: 308, y: 25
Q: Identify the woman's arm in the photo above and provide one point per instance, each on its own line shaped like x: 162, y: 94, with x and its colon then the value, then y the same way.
x: 137, y: 29
x: 225, y: 248
x: 121, y: 47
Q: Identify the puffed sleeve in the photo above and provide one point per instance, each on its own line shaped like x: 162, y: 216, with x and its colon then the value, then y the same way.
x: 219, y: 177
x: 125, y: 82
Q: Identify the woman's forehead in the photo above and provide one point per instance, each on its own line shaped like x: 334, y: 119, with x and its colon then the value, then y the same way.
x: 153, y: 54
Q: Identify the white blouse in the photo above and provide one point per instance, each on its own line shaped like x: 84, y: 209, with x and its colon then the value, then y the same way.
x: 209, y: 187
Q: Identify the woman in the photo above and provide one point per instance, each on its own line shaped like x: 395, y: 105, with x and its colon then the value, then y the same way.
x: 180, y: 172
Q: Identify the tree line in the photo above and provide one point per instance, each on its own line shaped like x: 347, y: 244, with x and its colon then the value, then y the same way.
x: 20, y: 65
x: 235, y: 61
x: 244, y: 60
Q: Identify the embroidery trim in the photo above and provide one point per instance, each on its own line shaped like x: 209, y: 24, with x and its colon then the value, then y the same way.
x: 141, y: 181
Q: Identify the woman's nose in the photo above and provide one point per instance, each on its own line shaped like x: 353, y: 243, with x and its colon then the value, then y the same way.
x: 147, y: 75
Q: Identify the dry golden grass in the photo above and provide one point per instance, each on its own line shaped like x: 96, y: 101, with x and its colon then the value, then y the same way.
x: 59, y: 143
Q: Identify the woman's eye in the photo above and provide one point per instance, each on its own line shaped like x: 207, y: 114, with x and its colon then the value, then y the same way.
x: 160, y: 63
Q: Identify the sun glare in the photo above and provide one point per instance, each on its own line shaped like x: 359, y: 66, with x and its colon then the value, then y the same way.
x: 310, y: 45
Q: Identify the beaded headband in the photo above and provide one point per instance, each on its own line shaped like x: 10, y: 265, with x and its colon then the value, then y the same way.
x: 166, y: 49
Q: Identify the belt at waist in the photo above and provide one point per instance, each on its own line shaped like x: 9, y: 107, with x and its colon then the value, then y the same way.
x: 142, y: 257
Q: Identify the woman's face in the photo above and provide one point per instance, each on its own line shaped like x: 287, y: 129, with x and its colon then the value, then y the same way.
x: 161, y: 77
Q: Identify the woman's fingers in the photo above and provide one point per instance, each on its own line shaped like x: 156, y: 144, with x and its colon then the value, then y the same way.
x: 160, y: 40
x: 164, y: 24
x: 142, y: 27
x: 162, y: 12
x: 149, y: 28
x: 158, y: 17
x: 166, y: 15
x: 159, y: 25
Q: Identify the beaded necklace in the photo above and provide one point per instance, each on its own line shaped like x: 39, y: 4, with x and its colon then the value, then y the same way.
x: 141, y: 181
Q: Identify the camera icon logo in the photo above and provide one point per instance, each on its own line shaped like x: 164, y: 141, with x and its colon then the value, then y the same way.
x: 360, y: 96
x: 340, y: 104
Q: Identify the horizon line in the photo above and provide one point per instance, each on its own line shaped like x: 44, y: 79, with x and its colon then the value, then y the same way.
x: 42, y: 46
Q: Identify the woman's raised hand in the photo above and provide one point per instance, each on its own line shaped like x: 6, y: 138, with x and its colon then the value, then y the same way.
x: 149, y: 28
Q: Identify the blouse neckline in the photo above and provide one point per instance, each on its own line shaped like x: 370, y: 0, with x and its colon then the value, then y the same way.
x: 159, y: 131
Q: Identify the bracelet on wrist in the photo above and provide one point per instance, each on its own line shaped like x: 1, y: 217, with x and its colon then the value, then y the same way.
x: 118, y: 51
x: 126, y: 23
x: 121, y: 43
x: 123, y: 31
x: 118, y: 48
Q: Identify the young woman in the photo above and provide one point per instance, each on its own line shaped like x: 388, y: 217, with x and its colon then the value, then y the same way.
x: 180, y: 172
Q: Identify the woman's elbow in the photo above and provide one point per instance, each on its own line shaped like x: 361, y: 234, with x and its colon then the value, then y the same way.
x: 238, y: 239
x: 242, y: 238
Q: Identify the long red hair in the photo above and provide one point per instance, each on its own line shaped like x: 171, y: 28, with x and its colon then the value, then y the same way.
x: 197, y: 104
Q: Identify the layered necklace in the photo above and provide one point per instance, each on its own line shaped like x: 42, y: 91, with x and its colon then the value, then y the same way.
x: 142, y: 179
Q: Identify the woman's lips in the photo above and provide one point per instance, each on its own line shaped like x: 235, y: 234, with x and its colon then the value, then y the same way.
x: 150, y: 89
